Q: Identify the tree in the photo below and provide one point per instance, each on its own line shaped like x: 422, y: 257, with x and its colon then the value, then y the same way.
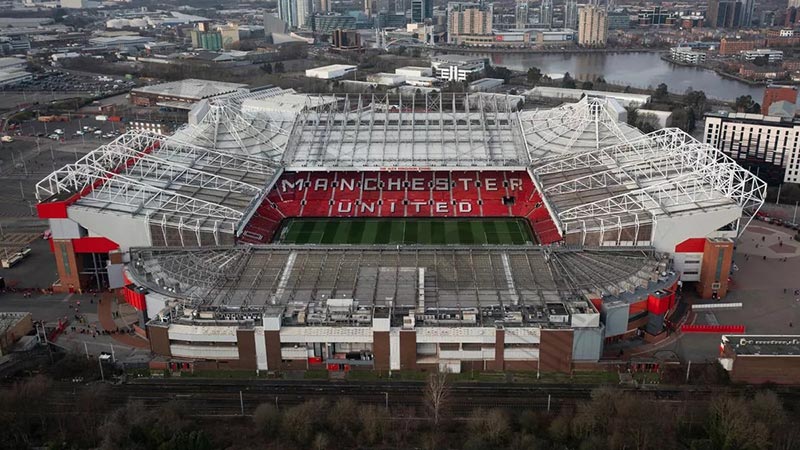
x: 534, y: 75
x: 647, y: 123
x: 266, y: 68
x: 437, y: 391
x: 731, y: 425
x: 760, y: 61
x: 587, y: 85
x: 567, y: 82
x: 493, y: 425
x: 279, y: 67
x: 661, y: 92
x: 745, y: 103
x: 267, y: 419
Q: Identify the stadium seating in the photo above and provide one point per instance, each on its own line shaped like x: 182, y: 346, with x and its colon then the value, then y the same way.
x: 457, y: 193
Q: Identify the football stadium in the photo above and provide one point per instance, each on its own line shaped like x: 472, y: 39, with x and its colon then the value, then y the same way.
x: 284, y: 231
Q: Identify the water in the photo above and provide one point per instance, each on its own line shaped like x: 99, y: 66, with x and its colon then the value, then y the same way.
x: 639, y: 70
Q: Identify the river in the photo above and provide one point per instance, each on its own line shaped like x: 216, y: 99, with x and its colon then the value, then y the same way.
x: 639, y: 70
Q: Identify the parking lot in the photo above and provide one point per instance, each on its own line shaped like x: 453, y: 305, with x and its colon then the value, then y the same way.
x: 62, y: 81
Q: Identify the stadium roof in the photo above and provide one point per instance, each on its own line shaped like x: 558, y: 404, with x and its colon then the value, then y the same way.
x: 437, y: 130
x: 664, y: 173
x: 177, y: 185
x: 221, y: 123
x: 589, y: 124
x: 595, y: 172
x: 458, y: 278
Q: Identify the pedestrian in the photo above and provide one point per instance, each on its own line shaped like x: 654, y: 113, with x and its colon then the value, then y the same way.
x: 790, y: 324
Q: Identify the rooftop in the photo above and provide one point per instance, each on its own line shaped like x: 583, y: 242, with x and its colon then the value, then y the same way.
x: 279, y: 279
x: 662, y: 174
x: 763, y: 345
x: 438, y: 130
x: 190, y: 88
x: 173, y: 186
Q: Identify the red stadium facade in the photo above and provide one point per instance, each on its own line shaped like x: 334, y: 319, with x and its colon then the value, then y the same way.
x: 401, y: 193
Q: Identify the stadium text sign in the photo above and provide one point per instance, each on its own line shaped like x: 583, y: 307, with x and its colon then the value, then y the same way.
x: 400, y: 184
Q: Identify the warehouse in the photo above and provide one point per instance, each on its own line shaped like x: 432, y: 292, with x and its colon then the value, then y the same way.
x: 331, y: 72
x: 182, y: 94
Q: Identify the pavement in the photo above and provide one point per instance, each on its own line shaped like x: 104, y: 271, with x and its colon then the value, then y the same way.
x: 765, y: 278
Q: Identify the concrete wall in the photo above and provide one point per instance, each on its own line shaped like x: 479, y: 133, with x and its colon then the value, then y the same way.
x: 671, y: 231
x: 126, y: 231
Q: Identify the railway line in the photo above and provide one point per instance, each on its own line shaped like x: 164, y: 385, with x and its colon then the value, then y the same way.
x: 237, y: 397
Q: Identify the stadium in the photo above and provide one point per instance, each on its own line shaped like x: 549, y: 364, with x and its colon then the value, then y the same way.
x: 284, y: 231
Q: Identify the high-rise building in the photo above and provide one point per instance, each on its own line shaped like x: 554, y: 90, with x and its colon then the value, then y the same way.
x: 730, y: 13
x: 592, y: 26
x: 571, y: 14
x: 521, y: 14
x: 287, y: 11
x: 546, y: 13
x: 468, y: 19
x: 421, y: 10
x: 304, y: 12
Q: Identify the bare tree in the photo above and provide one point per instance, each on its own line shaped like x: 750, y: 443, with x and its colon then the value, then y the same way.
x: 437, y: 392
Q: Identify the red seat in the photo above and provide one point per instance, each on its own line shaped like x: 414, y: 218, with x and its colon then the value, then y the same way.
x: 459, y: 193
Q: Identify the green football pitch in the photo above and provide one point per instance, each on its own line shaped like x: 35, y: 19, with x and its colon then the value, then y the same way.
x: 405, y: 231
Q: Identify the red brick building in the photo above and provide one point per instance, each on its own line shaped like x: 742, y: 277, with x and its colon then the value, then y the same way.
x: 775, y: 93
x: 729, y: 47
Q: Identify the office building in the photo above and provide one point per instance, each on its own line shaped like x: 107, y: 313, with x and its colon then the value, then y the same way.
x: 770, y: 56
x: 687, y: 55
x: 730, y: 13
x: 465, y: 20
x: 345, y: 40
x: 329, y: 22
x: 287, y: 11
x: 571, y: 14
x: 421, y: 10
x: 521, y: 14
x: 546, y: 13
x: 592, y: 26
x: 775, y: 93
x: 766, y: 145
x: 456, y: 67
x: 304, y: 12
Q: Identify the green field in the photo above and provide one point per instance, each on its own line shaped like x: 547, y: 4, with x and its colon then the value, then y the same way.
x: 405, y: 231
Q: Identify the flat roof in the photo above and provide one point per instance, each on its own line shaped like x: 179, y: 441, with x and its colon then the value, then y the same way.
x: 331, y: 68
x: 190, y: 88
x: 763, y: 345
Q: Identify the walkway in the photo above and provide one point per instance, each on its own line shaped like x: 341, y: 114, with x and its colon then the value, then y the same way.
x: 104, y: 314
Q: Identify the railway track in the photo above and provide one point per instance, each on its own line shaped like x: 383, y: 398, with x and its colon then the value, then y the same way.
x: 234, y: 397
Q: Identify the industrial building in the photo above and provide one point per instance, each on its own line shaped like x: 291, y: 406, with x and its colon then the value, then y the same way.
x: 184, y: 226
x: 331, y: 72
x: 181, y: 94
